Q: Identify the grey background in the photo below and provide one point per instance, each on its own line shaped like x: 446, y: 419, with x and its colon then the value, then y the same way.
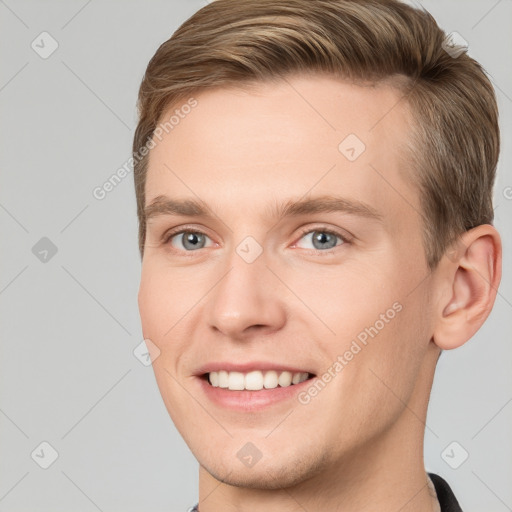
x: 68, y: 375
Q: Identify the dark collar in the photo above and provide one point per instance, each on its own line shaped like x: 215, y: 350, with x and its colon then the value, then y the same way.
x: 446, y: 498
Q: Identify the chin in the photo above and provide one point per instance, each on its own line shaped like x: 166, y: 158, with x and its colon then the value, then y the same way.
x: 268, y: 473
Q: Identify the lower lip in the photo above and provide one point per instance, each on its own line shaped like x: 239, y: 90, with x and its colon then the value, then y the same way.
x: 251, y: 400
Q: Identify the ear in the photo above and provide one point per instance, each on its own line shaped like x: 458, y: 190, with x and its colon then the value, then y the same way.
x: 470, y: 276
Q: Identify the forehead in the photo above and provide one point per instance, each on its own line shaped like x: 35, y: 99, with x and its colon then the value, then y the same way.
x: 241, y: 147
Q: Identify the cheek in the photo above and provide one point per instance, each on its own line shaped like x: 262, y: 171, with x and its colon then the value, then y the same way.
x: 149, y: 291
x: 162, y: 298
x: 167, y: 300
x: 346, y: 298
x: 151, y: 300
x: 160, y: 311
x: 378, y: 328
x: 381, y: 377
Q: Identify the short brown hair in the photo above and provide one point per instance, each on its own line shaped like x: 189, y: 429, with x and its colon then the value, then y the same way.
x: 454, y: 146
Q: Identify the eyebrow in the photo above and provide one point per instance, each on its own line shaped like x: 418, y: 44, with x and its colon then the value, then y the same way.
x: 163, y: 205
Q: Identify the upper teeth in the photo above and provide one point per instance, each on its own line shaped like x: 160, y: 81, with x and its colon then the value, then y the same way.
x: 255, y: 380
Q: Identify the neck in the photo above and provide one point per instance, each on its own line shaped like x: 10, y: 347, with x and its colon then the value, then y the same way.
x: 386, y: 473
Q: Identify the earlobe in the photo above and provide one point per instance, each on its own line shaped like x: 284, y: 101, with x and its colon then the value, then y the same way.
x: 471, y: 278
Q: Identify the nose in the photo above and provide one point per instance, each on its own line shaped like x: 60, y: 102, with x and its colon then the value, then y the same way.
x: 248, y: 300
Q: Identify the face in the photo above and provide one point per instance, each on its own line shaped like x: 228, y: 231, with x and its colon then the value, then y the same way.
x: 302, y: 259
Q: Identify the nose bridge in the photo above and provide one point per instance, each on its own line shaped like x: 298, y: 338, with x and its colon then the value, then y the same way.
x: 244, y: 296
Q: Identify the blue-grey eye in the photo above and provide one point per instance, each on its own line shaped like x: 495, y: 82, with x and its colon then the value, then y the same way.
x: 322, y: 239
x: 189, y: 240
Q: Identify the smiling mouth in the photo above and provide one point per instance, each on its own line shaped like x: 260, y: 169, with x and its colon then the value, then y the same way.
x: 255, y: 380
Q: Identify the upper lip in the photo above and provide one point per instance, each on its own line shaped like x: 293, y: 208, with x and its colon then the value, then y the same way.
x: 248, y: 367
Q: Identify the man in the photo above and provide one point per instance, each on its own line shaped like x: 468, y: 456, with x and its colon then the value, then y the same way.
x: 314, y: 191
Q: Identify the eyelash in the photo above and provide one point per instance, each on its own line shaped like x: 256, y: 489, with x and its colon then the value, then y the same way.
x: 322, y: 229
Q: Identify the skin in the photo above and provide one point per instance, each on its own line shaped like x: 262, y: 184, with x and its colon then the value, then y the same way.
x: 358, y: 444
